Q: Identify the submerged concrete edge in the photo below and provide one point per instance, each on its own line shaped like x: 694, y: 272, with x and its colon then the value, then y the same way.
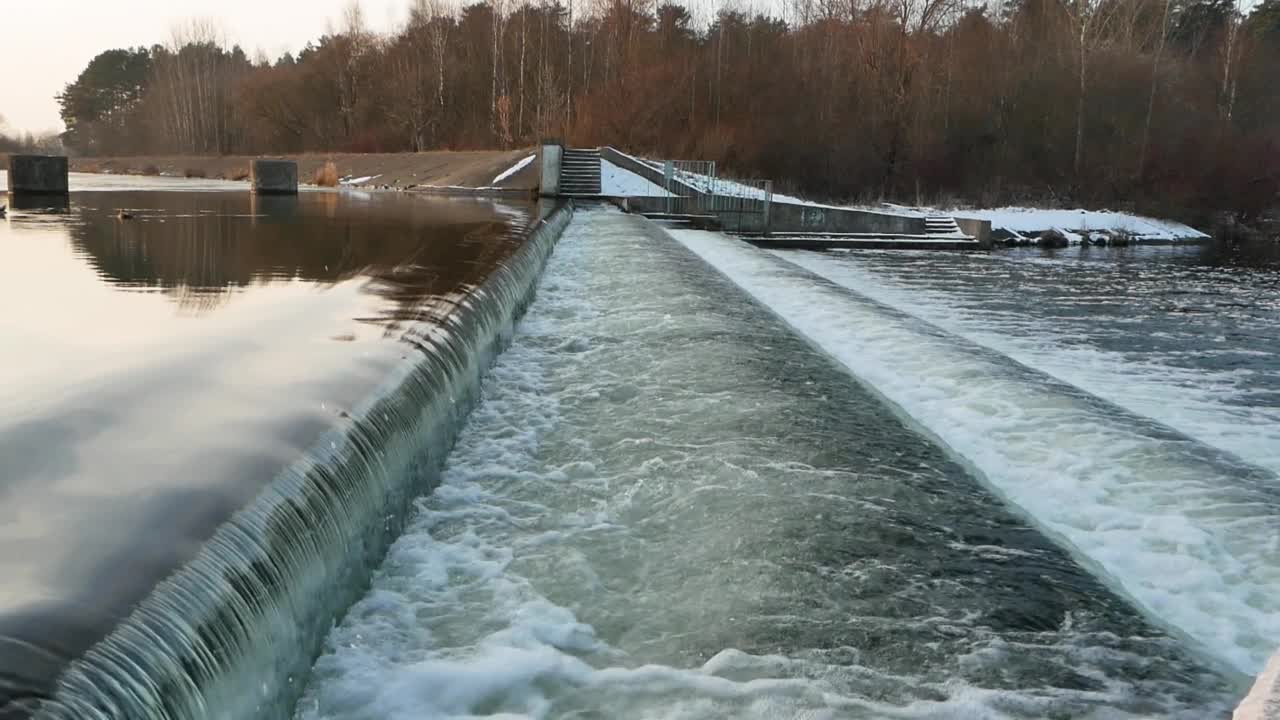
x: 1263, y: 700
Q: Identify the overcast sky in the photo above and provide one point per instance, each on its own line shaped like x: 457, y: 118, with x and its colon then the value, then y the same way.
x: 44, y: 44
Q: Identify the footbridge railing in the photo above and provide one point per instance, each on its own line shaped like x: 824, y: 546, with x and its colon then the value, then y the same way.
x: 694, y: 187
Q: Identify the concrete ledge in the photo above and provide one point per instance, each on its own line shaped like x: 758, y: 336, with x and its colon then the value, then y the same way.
x: 1263, y: 701
x: 862, y: 243
x: 549, y: 162
x: 40, y: 202
x: 783, y: 217
x: 275, y: 177
x: 788, y: 217
x: 38, y: 174
x: 979, y: 230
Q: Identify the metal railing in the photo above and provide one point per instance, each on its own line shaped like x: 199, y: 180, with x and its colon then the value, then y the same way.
x: 744, y: 196
x: 690, y: 178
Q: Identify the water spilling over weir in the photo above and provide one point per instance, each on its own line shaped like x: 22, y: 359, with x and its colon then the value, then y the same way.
x: 1186, y: 530
x: 236, y: 475
x: 668, y: 505
x: 681, y: 492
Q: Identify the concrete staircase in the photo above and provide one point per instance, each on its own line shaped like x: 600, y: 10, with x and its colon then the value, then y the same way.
x: 580, y: 172
x: 941, y: 225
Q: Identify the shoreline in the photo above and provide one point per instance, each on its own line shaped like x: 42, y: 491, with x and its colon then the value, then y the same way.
x: 437, y: 172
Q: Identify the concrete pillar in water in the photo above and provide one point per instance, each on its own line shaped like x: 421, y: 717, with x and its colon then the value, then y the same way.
x: 979, y: 230
x: 552, y: 150
x: 275, y: 177
x: 38, y: 175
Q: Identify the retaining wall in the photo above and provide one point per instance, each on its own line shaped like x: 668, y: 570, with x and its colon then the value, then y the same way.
x: 1263, y: 701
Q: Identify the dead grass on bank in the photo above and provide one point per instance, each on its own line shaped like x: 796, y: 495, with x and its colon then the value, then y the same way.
x: 327, y: 175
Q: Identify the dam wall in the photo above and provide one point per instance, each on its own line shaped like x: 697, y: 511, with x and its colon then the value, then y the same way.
x: 234, y: 632
x: 782, y: 217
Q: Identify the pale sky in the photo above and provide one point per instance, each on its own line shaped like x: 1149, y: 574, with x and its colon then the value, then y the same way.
x: 44, y: 44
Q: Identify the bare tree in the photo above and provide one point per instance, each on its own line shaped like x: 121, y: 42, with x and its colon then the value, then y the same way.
x: 1091, y: 19
x: 1155, y: 80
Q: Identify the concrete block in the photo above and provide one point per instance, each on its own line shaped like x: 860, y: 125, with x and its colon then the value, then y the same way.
x: 38, y: 174
x: 979, y: 230
x: 552, y: 152
x: 38, y: 202
x: 275, y: 177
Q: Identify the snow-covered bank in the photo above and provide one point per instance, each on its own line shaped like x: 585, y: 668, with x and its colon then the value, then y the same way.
x: 1018, y: 225
x: 1077, y: 225
x: 620, y: 182
x: 513, y: 169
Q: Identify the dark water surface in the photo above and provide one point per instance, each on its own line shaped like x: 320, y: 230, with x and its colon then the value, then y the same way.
x: 158, y: 372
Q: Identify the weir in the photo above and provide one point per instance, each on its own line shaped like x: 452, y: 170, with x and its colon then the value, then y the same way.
x: 690, y: 193
x: 670, y: 505
x: 232, y: 633
x: 1114, y: 488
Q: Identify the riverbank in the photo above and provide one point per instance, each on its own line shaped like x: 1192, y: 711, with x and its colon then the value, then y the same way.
x: 441, y: 170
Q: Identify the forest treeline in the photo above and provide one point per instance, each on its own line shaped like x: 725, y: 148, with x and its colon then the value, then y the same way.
x: 12, y: 141
x: 1167, y: 102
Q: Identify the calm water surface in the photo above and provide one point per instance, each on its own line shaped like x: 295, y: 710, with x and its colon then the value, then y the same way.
x: 158, y: 372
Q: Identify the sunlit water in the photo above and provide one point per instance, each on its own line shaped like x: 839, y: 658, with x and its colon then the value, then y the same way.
x: 160, y: 371
x: 668, y: 505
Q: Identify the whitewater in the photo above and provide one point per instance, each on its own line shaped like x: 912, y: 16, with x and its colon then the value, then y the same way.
x: 669, y: 503
x: 1186, y: 531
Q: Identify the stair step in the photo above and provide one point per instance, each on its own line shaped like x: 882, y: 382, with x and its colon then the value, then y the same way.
x: 940, y: 225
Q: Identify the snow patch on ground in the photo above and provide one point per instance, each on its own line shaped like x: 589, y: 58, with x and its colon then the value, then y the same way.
x: 512, y: 170
x: 1075, y: 224
x: 619, y: 182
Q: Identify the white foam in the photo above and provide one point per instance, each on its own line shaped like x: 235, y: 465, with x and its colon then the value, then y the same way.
x: 1192, y: 400
x: 566, y: 568
x: 1162, y: 519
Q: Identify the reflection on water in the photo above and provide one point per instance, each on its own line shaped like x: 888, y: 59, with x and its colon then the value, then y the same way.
x: 158, y: 371
x: 200, y: 249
